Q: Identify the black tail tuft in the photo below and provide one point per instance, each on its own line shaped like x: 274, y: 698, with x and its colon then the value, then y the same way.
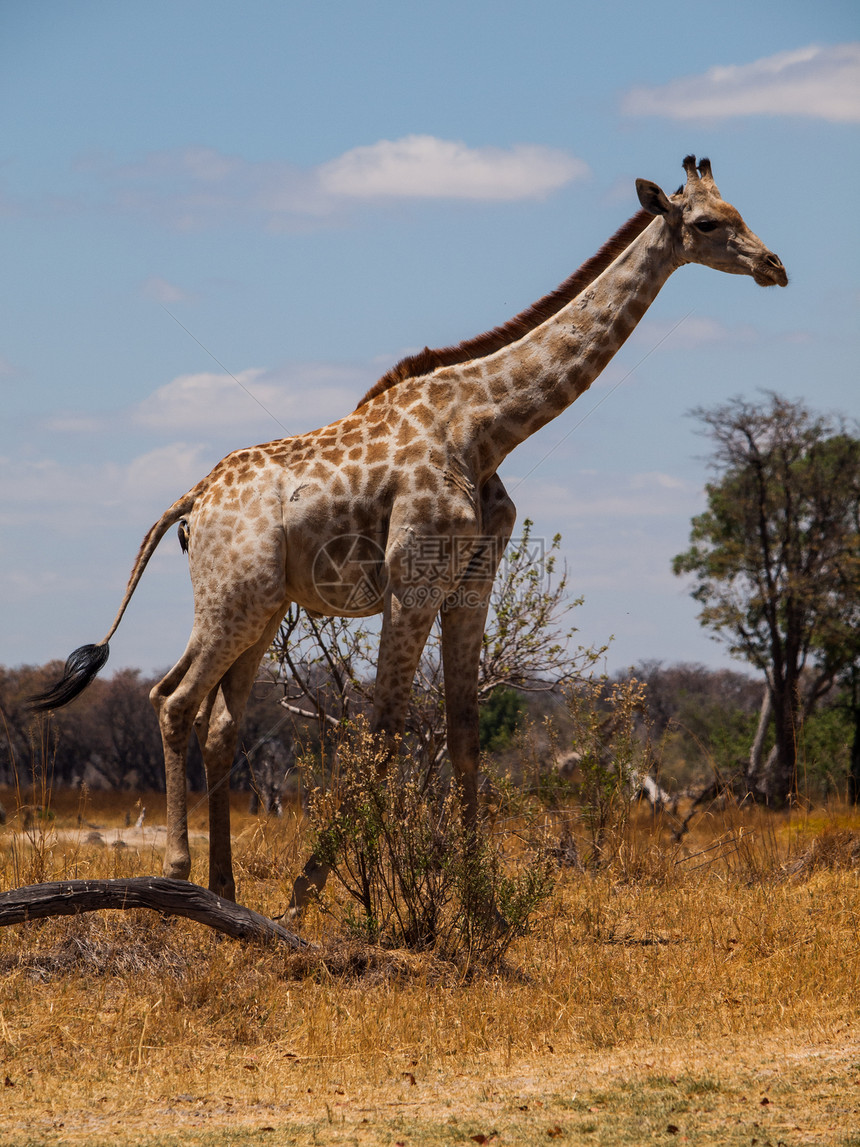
x: 81, y: 668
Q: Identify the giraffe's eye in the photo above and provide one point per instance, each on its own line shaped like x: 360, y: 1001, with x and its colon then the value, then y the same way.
x: 706, y: 224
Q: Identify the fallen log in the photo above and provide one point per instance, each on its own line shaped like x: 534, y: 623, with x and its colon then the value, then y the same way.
x: 170, y: 897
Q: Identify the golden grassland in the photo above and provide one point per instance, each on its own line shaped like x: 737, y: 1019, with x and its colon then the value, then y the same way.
x: 706, y: 992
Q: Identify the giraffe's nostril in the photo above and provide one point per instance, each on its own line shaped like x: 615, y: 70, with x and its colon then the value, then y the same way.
x: 774, y: 260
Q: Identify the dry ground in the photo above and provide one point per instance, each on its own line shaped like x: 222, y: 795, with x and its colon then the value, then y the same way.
x: 681, y: 996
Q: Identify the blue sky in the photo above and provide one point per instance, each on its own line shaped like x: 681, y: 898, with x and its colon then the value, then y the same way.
x: 314, y: 190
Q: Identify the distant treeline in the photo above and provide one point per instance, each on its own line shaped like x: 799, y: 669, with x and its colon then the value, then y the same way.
x: 701, y: 721
x: 109, y: 737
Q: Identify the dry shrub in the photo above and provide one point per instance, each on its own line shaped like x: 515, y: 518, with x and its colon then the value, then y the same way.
x: 121, y: 944
x: 603, y: 721
x: 833, y: 849
x: 414, y: 875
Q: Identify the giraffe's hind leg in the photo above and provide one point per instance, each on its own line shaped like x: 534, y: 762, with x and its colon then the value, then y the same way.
x: 211, y: 653
x: 175, y: 725
x: 239, y: 584
x: 217, y: 725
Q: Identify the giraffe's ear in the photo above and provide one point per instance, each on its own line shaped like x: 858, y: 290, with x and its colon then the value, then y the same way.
x: 652, y: 197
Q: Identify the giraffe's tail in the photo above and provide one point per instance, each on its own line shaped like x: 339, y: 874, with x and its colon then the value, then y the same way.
x: 81, y: 668
x: 86, y: 661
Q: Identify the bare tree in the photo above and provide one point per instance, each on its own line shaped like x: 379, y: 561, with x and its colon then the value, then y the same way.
x: 325, y: 665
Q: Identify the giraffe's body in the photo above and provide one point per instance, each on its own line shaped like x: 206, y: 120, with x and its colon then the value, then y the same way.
x: 340, y: 520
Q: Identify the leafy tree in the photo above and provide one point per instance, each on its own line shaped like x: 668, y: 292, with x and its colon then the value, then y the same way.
x: 776, y: 559
x: 500, y: 718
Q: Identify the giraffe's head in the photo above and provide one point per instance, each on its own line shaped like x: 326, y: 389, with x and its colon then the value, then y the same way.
x: 710, y: 231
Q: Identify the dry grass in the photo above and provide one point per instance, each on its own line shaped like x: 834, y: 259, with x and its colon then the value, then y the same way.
x: 667, y: 997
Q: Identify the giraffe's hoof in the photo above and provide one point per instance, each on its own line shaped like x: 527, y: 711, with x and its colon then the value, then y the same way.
x: 226, y: 889
x: 303, y: 891
x: 179, y: 869
x: 309, y: 884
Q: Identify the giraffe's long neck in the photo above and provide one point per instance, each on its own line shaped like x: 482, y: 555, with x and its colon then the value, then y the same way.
x: 530, y: 382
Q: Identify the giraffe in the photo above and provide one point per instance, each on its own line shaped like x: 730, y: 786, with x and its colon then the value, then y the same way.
x: 398, y: 509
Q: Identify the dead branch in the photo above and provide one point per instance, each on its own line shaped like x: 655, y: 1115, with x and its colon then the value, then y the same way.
x: 171, y: 897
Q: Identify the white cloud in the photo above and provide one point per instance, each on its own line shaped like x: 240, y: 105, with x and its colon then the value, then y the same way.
x: 691, y: 331
x: 204, y: 401
x: 163, y: 291
x: 298, y: 397
x: 68, y: 497
x: 193, y: 187
x: 162, y: 475
x: 815, y: 81
x: 656, y: 480
x: 422, y: 166
x: 190, y: 188
x: 605, y: 495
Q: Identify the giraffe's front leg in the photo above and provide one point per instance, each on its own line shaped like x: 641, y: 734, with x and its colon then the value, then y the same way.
x: 464, y: 618
x: 462, y: 636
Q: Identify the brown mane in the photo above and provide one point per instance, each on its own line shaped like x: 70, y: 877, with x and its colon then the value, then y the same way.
x: 427, y: 360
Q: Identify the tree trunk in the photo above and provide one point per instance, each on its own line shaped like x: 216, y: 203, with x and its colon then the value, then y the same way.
x: 173, y: 897
x: 779, y: 779
x: 854, y: 767
x: 854, y: 773
x: 754, y: 768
